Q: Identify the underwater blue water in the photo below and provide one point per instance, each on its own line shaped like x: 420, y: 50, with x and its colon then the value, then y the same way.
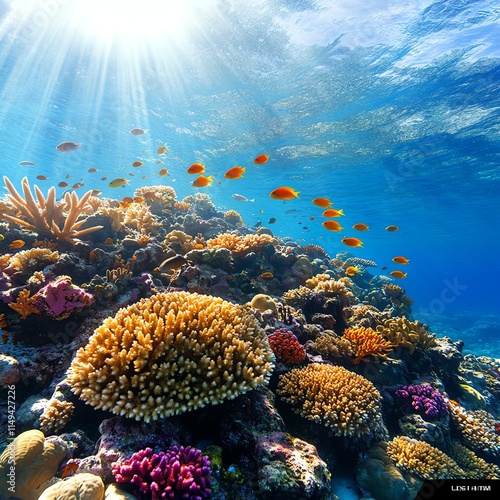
x: 391, y: 110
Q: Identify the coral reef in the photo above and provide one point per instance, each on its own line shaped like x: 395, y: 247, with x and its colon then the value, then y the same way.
x: 171, y: 353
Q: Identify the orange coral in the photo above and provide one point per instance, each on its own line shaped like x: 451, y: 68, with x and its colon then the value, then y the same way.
x: 367, y: 342
x: 24, y: 304
x: 239, y: 244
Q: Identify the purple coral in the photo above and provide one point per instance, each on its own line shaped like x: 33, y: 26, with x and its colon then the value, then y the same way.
x: 424, y: 398
x: 60, y: 298
x: 180, y: 472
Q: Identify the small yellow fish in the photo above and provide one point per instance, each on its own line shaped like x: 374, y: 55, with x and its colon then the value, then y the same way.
x: 202, y: 181
x: 2, y: 237
x: 161, y: 150
x: 267, y: 275
x: 398, y: 274
x: 352, y: 270
x: 17, y: 244
x: 118, y: 182
x: 284, y: 193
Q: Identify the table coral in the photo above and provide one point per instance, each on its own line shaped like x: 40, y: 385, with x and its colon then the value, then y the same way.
x: 335, y: 397
x: 180, y: 472
x: 286, y: 347
x: 424, y: 399
x: 171, y: 353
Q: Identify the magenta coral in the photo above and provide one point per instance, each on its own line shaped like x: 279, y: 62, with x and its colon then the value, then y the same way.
x: 60, y: 298
x: 286, y: 347
x: 180, y: 472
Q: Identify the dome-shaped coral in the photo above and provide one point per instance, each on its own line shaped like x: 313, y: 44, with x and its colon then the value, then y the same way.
x: 171, y: 353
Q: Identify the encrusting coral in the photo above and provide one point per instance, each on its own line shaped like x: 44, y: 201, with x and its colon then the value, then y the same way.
x: 171, y: 353
x: 346, y: 402
x: 46, y: 216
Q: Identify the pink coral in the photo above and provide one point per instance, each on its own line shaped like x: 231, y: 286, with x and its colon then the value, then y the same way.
x: 286, y: 347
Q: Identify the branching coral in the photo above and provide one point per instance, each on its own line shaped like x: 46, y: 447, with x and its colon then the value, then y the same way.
x: 333, y: 347
x: 424, y: 399
x: 233, y: 218
x: 286, y: 347
x: 330, y: 287
x: 331, y: 395
x: 56, y: 415
x: 135, y: 219
x: 46, y: 216
x: 366, y: 343
x: 24, y: 304
x: 422, y: 459
x: 475, y: 467
x: 171, y: 353
x: 240, y: 245
x: 31, y: 260
x: 180, y: 472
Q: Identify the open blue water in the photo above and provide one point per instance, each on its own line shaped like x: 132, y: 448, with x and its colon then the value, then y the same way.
x: 390, y: 109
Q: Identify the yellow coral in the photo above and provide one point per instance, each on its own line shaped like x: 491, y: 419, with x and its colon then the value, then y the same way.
x: 36, y: 461
x: 135, y: 219
x: 333, y: 347
x: 179, y: 241
x: 239, y: 244
x: 32, y: 259
x: 474, y: 466
x: 330, y: 287
x: 83, y: 486
x: 334, y: 397
x: 422, y: 459
x: 233, y: 217
x: 24, y: 304
x: 56, y: 415
x: 171, y: 353
x: 367, y: 343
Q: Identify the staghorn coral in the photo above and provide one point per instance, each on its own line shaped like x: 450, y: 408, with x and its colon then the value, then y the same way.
x: 329, y: 287
x: 180, y: 472
x: 367, y: 342
x: 46, y: 217
x: 422, y: 459
x: 477, y: 428
x: 24, y: 304
x: 333, y: 347
x: 31, y: 260
x: 83, y: 486
x: 331, y: 395
x: 171, y: 353
x: 240, y: 245
x: 286, y: 347
x: 405, y: 333
x: 36, y: 461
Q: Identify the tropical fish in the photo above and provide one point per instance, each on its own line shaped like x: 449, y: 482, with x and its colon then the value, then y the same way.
x: 161, y: 150
x: 332, y: 225
x: 95, y: 192
x: 272, y: 220
x: 284, y: 193
x: 128, y: 199
x: 78, y: 185
x: 138, y: 199
x: 69, y: 470
x: 137, y: 164
x: 163, y: 172
x: 312, y: 217
x: 352, y: 242
x: 384, y: 268
x: 64, y: 147
x: 266, y: 275
x: 400, y: 259
x: 292, y: 211
x: 63, y: 184
x: 131, y: 174
x: 235, y: 173
x: 104, y: 178
x: 261, y: 211
x: 322, y: 202
x: 118, y: 182
x: 149, y: 195
x: 41, y: 177
x: 202, y: 181
x: 92, y: 170
x: 240, y: 197
x: 17, y: 244
x: 398, y: 274
x: 392, y: 229
x: 68, y: 176
x: 331, y: 212
x: 172, y: 263
x: 137, y: 131
x: 196, y: 168
x: 261, y: 159
x: 352, y: 270
x: 361, y: 227
x: 25, y: 163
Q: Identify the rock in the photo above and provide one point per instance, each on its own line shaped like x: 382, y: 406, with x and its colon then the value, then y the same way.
x: 9, y: 370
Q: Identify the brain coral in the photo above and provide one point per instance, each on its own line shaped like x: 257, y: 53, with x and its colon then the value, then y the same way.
x: 171, y: 353
x: 335, y: 397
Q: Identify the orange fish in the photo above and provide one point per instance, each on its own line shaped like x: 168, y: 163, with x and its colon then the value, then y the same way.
x: 398, y: 274
x: 69, y: 470
x: 163, y: 172
x: 332, y: 225
x: 400, y: 260
x: 322, y: 202
x: 196, y: 168
x: 361, y: 227
x: 92, y: 170
x: 235, y: 173
x: 352, y: 270
x: 261, y: 159
x: 78, y: 185
x: 331, y: 212
x: 137, y: 164
x: 312, y: 217
x: 41, y: 177
x: 352, y: 242
x: 392, y: 229
x: 267, y: 275
x: 128, y: 199
x: 161, y: 150
x: 138, y: 199
x: 17, y: 244
x: 202, y: 181
x: 63, y: 184
x: 284, y: 193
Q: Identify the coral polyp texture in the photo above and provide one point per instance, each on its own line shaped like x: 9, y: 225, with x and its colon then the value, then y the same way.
x: 286, y: 347
x: 346, y: 402
x: 180, y: 472
x: 171, y: 353
x: 424, y: 399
